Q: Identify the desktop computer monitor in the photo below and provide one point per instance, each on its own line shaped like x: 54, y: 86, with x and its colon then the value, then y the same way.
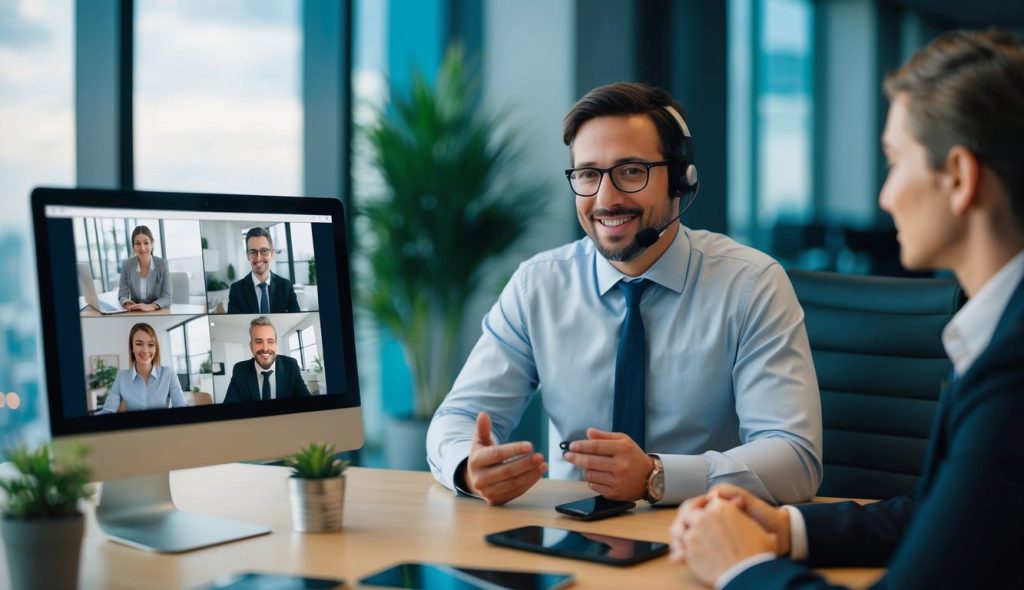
x: 204, y: 365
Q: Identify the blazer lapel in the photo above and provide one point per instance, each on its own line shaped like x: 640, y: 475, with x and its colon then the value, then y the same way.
x: 1012, y: 315
x: 254, y: 383
x: 249, y: 292
x: 282, y: 383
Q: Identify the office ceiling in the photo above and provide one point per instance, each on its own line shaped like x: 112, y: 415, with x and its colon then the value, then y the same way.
x: 971, y: 14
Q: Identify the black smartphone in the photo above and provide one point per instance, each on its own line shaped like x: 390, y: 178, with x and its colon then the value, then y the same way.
x: 594, y: 508
x: 431, y: 576
x: 586, y: 546
x: 261, y: 581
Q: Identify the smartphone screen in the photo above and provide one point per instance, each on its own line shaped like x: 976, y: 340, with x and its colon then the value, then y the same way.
x: 261, y: 581
x: 587, y: 546
x: 594, y: 508
x: 429, y: 576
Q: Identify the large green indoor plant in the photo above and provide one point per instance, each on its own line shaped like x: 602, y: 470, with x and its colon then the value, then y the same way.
x: 42, y: 527
x: 456, y: 197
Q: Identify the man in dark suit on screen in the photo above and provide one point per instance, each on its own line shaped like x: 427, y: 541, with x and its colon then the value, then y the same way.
x: 268, y: 375
x: 955, y: 189
x: 261, y: 291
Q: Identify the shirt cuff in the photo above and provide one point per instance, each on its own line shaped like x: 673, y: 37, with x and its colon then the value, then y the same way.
x: 459, y: 482
x: 686, y: 476
x: 455, y: 455
x: 797, y: 534
x: 728, y: 575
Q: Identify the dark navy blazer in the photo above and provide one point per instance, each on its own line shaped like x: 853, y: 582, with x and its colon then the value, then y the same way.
x: 242, y: 296
x: 963, y: 527
x: 245, y: 384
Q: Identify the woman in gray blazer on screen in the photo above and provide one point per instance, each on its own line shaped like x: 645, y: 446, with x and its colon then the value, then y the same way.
x: 145, y: 282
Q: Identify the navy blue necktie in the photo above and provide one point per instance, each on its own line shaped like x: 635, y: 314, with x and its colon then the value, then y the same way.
x: 264, y: 300
x: 630, y: 365
x: 266, y: 384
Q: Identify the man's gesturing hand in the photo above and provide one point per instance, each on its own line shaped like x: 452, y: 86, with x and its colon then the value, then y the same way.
x: 612, y: 464
x: 500, y: 473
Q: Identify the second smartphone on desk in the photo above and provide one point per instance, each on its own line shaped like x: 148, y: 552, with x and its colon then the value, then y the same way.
x: 594, y: 508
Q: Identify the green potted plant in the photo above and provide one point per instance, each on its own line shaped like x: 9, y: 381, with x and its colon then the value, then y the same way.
x: 455, y: 199
x: 100, y: 381
x: 41, y: 525
x: 317, y: 488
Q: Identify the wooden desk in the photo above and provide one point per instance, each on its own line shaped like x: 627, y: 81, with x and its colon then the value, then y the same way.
x: 390, y: 516
x: 173, y: 309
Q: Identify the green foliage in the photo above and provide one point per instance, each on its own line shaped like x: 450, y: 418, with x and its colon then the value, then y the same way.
x: 215, y: 284
x: 205, y: 243
x: 231, y: 272
x: 457, y: 197
x: 45, y: 488
x: 316, y: 365
x: 103, y: 377
x: 312, y: 271
x: 316, y: 461
x: 206, y: 366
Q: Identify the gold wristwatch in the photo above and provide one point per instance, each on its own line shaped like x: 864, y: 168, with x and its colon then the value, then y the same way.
x: 654, y: 490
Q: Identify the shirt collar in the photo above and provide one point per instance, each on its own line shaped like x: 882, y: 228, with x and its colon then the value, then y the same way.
x: 259, y: 369
x: 256, y: 281
x: 152, y: 263
x: 669, y: 270
x: 967, y: 335
x: 155, y: 373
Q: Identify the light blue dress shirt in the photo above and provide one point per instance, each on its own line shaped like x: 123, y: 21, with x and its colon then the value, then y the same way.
x: 731, y: 390
x: 163, y: 387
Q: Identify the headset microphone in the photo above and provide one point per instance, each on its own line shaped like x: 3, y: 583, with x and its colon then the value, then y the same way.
x: 646, y: 237
x: 687, y: 182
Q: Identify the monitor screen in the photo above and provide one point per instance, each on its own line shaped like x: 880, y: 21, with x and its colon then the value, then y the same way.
x: 195, y: 329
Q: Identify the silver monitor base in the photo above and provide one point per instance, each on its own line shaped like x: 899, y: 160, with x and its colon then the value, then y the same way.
x: 139, y: 512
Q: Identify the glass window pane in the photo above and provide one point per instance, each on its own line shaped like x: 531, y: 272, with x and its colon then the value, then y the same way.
x: 178, y: 360
x: 36, y: 148
x: 217, y: 105
x: 784, y: 113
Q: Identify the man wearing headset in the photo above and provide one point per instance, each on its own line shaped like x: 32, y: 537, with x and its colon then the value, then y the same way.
x: 669, y: 359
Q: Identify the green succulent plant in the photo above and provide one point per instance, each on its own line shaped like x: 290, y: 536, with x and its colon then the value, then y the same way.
x: 455, y: 198
x: 45, y: 488
x: 316, y: 461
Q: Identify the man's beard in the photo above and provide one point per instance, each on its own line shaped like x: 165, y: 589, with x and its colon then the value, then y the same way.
x: 273, y: 359
x: 620, y: 253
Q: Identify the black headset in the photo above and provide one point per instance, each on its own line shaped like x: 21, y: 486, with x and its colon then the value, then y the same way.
x: 683, y: 179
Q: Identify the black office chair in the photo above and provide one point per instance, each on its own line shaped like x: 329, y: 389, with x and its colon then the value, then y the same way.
x: 877, y: 348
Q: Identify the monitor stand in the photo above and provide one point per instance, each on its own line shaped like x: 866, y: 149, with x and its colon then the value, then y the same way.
x: 139, y: 512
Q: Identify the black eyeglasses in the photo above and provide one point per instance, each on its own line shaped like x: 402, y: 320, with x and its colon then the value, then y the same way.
x: 628, y: 177
x: 264, y: 252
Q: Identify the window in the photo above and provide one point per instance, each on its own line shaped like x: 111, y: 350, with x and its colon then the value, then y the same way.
x: 191, y: 355
x: 217, y: 105
x: 770, y: 116
x: 302, y: 347
x: 37, y: 148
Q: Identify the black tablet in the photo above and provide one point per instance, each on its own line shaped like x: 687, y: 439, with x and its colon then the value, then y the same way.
x: 576, y: 545
x: 431, y: 576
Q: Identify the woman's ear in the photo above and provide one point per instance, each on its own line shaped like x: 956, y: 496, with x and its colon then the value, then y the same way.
x: 962, y: 179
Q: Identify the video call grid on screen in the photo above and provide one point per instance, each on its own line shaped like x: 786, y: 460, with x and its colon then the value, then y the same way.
x: 204, y: 332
